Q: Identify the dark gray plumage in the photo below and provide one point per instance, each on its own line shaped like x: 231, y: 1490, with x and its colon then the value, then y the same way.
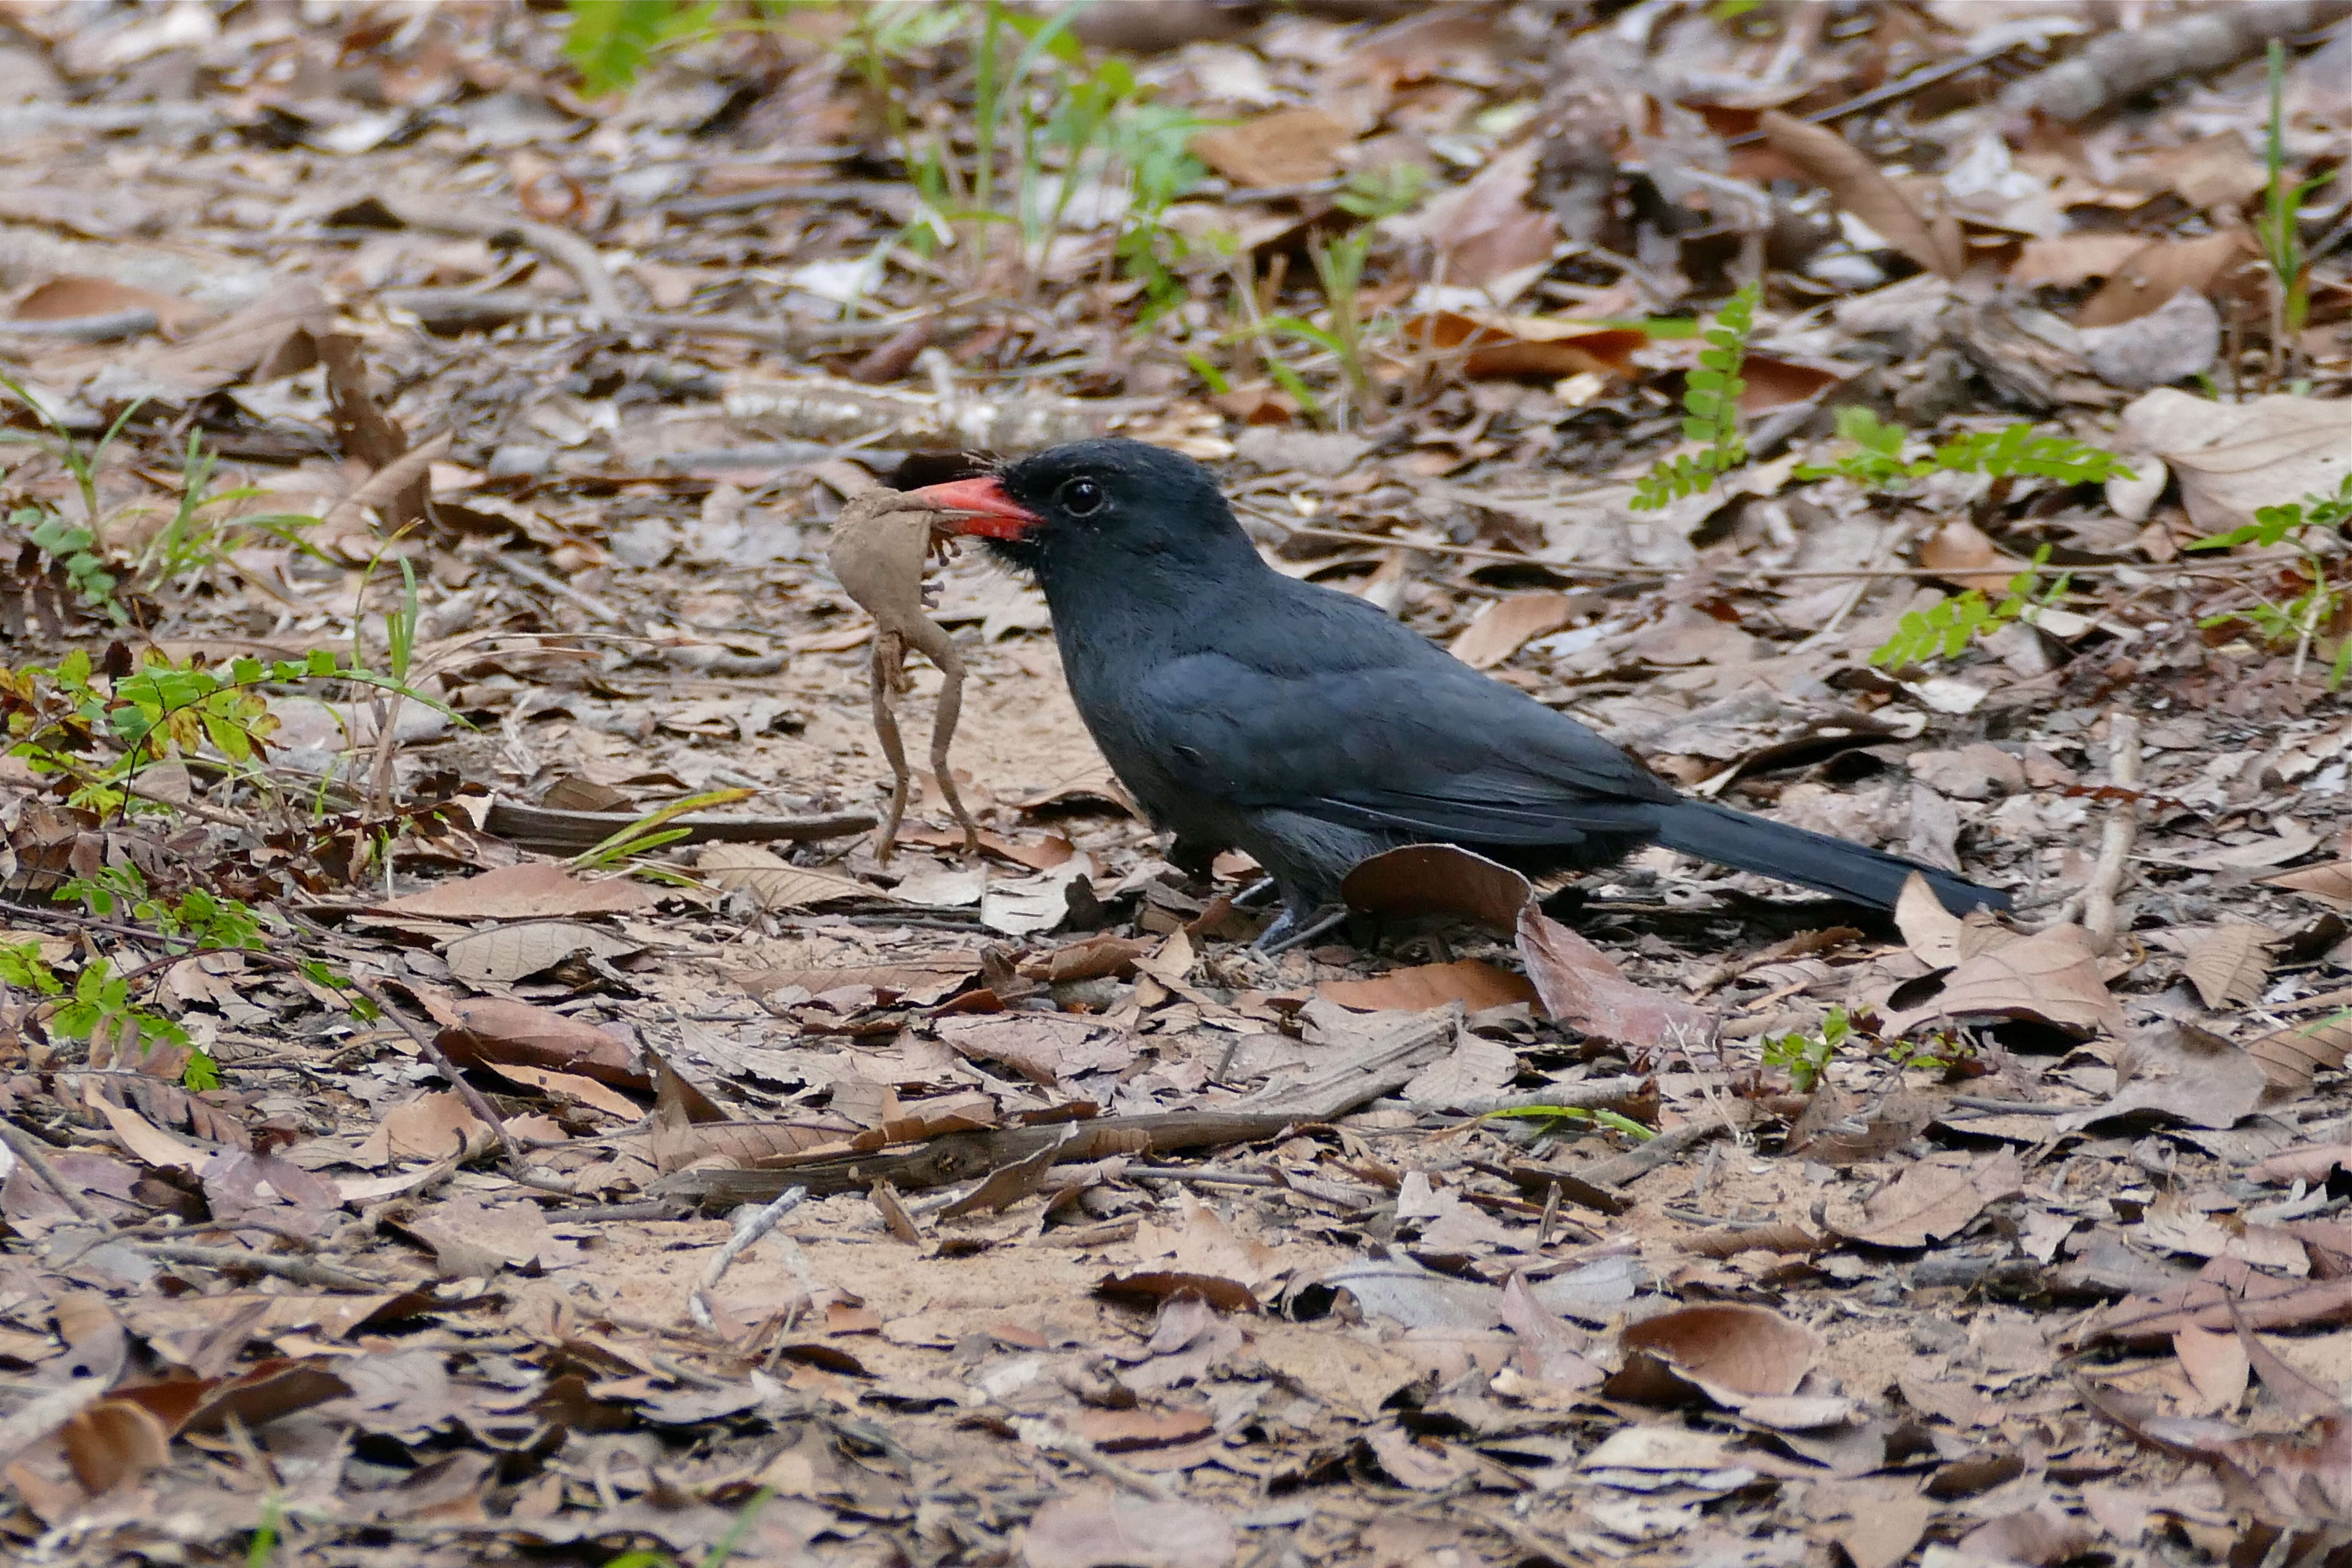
x: 1245, y: 709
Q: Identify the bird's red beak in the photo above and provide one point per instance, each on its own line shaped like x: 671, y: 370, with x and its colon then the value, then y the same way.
x: 986, y: 509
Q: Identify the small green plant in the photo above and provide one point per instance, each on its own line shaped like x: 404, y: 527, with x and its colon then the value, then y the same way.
x: 73, y: 549
x: 1945, y: 629
x: 1942, y: 1051
x: 650, y: 832
x: 102, y: 728
x: 610, y: 42
x: 195, y: 919
x: 99, y: 1007
x: 1614, y: 1121
x: 2275, y: 226
x: 1710, y: 410
x: 1803, y: 1056
x: 2301, y: 618
x: 1877, y: 461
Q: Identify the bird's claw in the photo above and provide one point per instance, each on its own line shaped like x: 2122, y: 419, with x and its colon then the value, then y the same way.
x: 1286, y: 932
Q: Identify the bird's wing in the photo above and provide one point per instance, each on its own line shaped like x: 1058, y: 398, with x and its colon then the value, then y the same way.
x: 1428, y: 748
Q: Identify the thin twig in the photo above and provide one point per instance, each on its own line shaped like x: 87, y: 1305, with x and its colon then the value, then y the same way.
x: 2096, y: 905
x: 523, y: 572
x: 476, y: 1100
x: 35, y: 1153
x: 753, y: 1227
x: 299, y: 1269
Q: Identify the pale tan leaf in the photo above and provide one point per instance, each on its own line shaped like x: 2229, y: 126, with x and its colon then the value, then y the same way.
x: 1930, y: 1200
x: 2163, y: 268
x: 2232, y: 459
x: 2330, y: 884
x: 1290, y: 147
x: 535, y: 889
x: 2290, y: 1058
x: 503, y: 954
x: 2053, y: 976
x: 778, y: 884
x: 1506, y: 624
x: 2229, y: 964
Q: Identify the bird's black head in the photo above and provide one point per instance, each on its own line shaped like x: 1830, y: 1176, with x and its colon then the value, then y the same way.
x: 1107, y: 503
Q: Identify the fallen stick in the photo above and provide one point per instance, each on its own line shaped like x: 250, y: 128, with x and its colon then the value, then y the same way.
x: 1385, y: 1064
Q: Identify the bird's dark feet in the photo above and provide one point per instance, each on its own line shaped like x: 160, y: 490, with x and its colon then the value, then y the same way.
x: 1288, y: 932
x: 1253, y: 894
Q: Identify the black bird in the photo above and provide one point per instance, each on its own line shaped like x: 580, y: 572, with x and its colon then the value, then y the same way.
x: 1244, y: 709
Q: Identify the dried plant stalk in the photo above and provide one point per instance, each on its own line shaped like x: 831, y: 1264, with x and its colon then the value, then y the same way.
x: 881, y: 542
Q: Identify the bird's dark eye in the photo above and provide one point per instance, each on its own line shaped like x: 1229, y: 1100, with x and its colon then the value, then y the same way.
x: 1080, y: 497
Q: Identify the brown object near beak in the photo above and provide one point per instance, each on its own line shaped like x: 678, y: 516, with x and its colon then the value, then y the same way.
x: 881, y: 542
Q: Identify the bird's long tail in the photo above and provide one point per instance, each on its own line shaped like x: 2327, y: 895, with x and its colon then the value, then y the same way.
x: 1810, y: 860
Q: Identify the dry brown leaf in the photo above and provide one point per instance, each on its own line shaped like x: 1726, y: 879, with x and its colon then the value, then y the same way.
x: 2043, y: 1534
x: 2053, y: 976
x: 2311, y: 1165
x: 881, y: 546
x: 2228, y: 964
x: 2172, y: 1226
x: 431, y: 1127
x: 2330, y: 884
x: 1087, y: 958
x: 151, y: 1144
x: 1290, y: 147
x: 1855, y: 184
x: 1733, y: 1353
x: 1491, y: 343
x: 1486, y: 234
x: 1437, y: 878
x: 1580, y: 986
x: 776, y: 882
x: 1504, y: 624
x: 1964, y: 556
x: 1045, y: 1047
x: 1774, y: 382
x: 113, y: 1441
x: 2217, y: 263
x: 499, y: 1031
x: 1473, y: 983
x: 506, y: 954
x: 534, y: 889
x: 64, y: 298
x: 2290, y: 1058
x: 1094, y: 1527
x: 1932, y: 1199
x: 2225, y: 1291
x: 2181, y: 1072
x: 2073, y: 258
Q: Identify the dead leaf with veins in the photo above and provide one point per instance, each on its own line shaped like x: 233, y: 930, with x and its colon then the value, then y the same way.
x: 881, y: 543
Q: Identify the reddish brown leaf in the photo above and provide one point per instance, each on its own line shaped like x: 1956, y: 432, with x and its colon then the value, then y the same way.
x: 1580, y: 988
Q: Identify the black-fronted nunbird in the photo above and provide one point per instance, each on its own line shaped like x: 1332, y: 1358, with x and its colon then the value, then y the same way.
x: 1244, y: 709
